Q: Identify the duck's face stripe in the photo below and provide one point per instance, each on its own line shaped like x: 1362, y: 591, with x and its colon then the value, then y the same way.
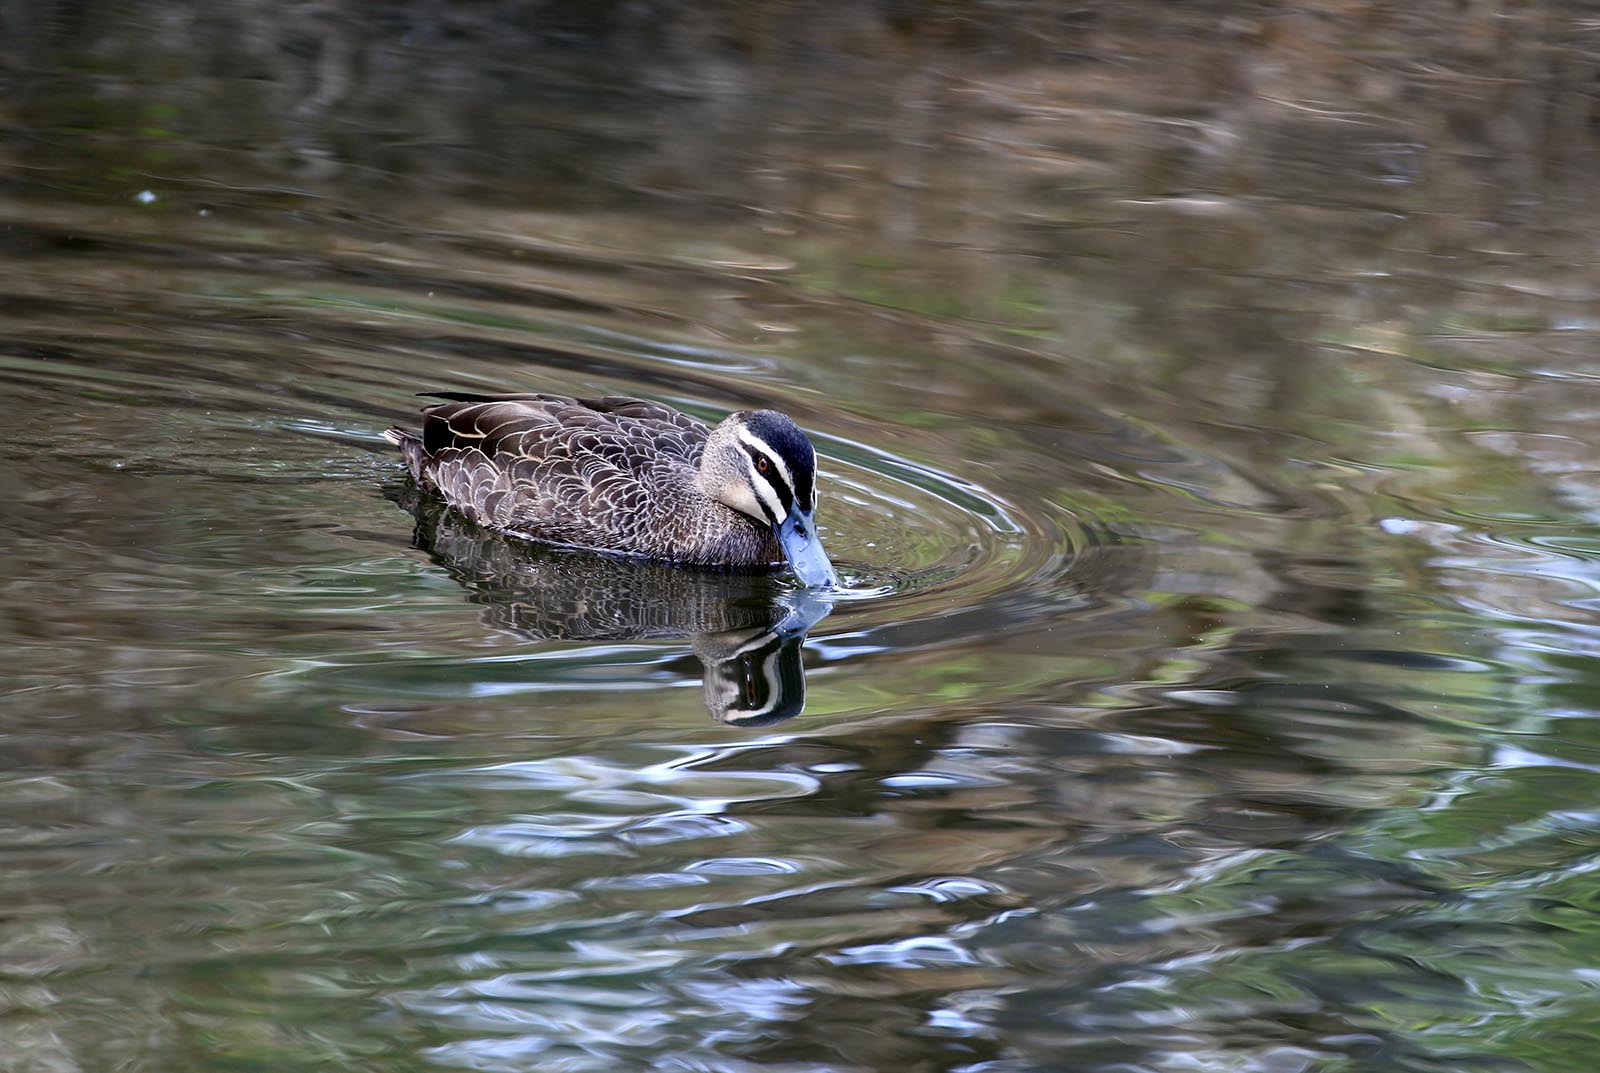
x: 787, y: 447
x: 769, y: 475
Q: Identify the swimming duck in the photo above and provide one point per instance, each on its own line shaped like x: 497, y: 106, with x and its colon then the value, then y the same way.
x: 626, y: 475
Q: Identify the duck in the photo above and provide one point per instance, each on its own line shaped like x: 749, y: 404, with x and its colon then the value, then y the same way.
x: 626, y: 476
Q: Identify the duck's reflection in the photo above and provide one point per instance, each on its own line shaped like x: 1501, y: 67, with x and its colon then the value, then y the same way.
x: 746, y: 629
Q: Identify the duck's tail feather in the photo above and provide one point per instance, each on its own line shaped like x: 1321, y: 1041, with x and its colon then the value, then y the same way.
x: 410, y: 444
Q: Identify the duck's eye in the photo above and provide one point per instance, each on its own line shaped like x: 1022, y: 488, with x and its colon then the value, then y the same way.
x: 761, y: 465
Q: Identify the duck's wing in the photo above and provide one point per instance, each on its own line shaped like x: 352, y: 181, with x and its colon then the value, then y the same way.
x: 581, y: 471
x: 670, y: 432
x: 480, y: 419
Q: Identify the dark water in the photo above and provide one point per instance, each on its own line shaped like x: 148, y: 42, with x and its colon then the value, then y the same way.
x: 1208, y: 398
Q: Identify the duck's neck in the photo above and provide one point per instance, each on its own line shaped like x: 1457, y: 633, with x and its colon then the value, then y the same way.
x: 718, y: 535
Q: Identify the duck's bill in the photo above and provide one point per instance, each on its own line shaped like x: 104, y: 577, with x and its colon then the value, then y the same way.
x: 798, y: 535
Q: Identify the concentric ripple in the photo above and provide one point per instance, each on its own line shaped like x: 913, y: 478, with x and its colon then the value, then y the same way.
x: 913, y: 541
x: 252, y: 368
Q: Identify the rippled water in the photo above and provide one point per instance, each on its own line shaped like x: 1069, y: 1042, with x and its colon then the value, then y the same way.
x: 1207, y: 408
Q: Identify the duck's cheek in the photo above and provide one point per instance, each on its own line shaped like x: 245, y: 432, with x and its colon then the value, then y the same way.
x: 737, y: 494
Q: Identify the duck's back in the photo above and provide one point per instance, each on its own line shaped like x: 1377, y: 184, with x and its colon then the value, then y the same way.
x: 612, y: 473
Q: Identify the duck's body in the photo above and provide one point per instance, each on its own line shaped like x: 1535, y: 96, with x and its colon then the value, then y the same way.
x: 625, y: 475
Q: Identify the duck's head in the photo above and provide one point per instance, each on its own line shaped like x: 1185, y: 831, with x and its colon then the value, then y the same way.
x: 759, y: 463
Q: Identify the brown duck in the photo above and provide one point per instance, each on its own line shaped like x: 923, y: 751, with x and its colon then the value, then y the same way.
x: 626, y: 475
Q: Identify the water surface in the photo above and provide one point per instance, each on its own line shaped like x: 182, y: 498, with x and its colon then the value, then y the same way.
x: 1206, y: 400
